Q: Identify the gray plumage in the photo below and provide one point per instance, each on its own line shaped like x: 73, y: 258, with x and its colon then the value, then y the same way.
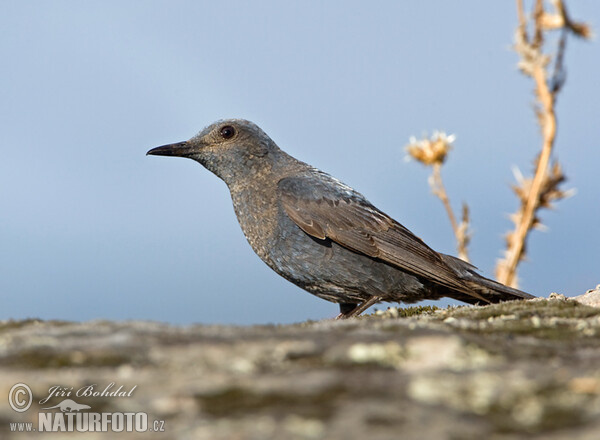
x: 322, y: 235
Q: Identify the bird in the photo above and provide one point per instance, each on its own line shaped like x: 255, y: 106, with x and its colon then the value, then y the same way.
x: 321, y: 234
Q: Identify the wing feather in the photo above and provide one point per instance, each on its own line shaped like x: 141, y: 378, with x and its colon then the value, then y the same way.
x: 332, y: 210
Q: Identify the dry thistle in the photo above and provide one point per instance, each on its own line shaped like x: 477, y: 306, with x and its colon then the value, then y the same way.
x: 543, y: 188
x: 550, y: 192
x: 559, y: 19
x: 433, y: 152
x: 430, y: 151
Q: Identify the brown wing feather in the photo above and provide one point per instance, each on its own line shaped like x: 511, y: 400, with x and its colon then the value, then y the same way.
x: 361, y: 227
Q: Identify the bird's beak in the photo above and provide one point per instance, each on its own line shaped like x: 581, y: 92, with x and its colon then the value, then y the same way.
x: 181, y: 149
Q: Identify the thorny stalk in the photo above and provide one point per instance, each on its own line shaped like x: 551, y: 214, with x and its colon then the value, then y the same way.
x: 544, y: 187
x: 432, y: 152
x: 438, y: 188
x: 460, y: 230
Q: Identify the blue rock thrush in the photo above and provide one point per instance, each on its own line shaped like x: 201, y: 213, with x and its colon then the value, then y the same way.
x: 322, y: 235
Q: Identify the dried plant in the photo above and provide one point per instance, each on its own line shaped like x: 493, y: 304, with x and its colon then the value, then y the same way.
x: 541, y: 190
x: 548, y: 73
x: 433, y: 152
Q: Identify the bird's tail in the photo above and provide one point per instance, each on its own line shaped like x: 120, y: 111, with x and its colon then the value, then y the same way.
x: 490, y: 290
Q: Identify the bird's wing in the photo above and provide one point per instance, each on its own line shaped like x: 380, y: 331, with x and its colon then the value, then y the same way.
x: 329, y: 209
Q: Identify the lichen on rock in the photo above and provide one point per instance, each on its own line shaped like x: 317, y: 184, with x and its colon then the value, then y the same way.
x: 511, y: 370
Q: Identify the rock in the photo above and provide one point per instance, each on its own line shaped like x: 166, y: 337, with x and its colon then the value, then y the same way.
x: 505, y: 371
x: 590, y: 298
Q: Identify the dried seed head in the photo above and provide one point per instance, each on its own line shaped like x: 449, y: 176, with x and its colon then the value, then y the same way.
x: 560, y: 19
x: 430, y: 151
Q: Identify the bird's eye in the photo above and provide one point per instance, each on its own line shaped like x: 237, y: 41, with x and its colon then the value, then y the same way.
x: 227, y: 132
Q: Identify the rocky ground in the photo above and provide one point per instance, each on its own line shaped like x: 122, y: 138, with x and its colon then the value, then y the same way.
x: 509, y: 371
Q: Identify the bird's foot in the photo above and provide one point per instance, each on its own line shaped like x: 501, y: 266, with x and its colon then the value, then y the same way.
x: 350, y: 310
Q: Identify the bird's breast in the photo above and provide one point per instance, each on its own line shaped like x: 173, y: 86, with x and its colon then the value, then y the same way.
x: 256, y: 209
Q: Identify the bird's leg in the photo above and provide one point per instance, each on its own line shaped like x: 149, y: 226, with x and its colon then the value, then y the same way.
x: 346, y: 308
x: 347, y: 312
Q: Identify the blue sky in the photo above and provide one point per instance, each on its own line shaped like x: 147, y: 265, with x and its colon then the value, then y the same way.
x: 92, y: 228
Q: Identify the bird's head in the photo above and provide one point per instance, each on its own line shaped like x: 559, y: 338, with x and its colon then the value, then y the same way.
x: 233, y: 149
